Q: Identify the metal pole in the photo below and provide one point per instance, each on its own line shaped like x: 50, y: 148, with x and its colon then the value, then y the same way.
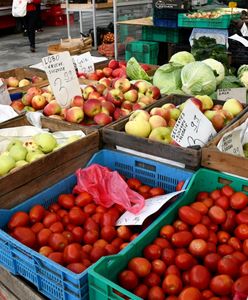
x: 94, y: 23
x: 68, y: 19
x: 115, y: 29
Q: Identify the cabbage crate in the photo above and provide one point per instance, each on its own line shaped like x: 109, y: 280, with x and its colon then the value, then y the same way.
x: 38, y: 175
x: 51, y: 279
x: 103, y: 275
x: 115, y: 135
x: 213, y: 158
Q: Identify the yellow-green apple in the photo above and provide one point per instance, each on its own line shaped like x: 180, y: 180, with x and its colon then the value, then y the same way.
x: 46, y: 141
x: 87, y: 90
x: 139, y: 114
x: 6, y: 164
x: 75, y: 114
x: 26, y: 99
x: 107, y: 71
x: 36, y: 79
x: 38, y: 102
x: 33, y: 155
x: 131, y: 95
x: 115, y: 96
x: 233, y: 106
x: 14, y: 142
x: 161, y: 134
x: 77, y: 101
x: 30, y: 145
x: 157, y: 121
x: 217, y: 107
x: 120, y: 113
x: 122, y: 84
x: 113, y: 64
x: 165, y: 113
x: 171, y: 123
x: 175, y: 113
x: 49, y: 97
x: 99, y: 73
x: 63, y: 112
x: 107, y: 107
x: 127, y: 105
x: 138, y: 127
x: 168, y: 105
x: 12, y: 82
x: 92, y: 107
x: 18, y: 152
x: 218, y: 121
x: 102, y: 119
x: 92, y: 76
x: 52, y: 108
x: 28, y: 108
x: 94, y: 95
x: 138, y: 105
x: 24, y: 82
x: 146, y: 99
x: 209, y: 114
x: 153, y: 92
x: 17, y: 105
x: 105, y: 81
x: 21, y: 163
x: 100, y: 87
x: 142, y: 86
x: 207, y: 102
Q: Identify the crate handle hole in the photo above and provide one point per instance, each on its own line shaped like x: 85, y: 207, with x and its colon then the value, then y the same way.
x: 145, y: 166
x: 224, y: 181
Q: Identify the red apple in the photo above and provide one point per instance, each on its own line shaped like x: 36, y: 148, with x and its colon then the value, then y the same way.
x: 38, y: 102
x: 122, y: 84
x: 113, y: 64
x: 99, y: 73
x: 52, y: 108
x: 120, y: 113
x: 100, y: 87
x: 17, y: 105
x: 196, y: 102
x: 77, y: 101
x: 12, y: 82
x: 115, y: 96
x: 26, y: 99
x: 118, y: 73
x: 127, y: 105
x: 87, y: 90
x: 138, y: 105
x: 34, y: 91
x: 92, y: 107
x: 94, y: 95
x: 146, y: 99
x: 165, y: 113
x: 107, y: 71
x: 74, y: 114
x: 142, y: 86
x: 153, y: 92
x: 92, y: 76
x: 131, y: 95
x: 102, y: 119
x: 36, y: 79
x: 107, y: 106
x: 105, y: 81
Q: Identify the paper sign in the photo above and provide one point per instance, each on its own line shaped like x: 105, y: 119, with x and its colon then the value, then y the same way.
x: 6, y: 113
x: 84, y: 63
x: 4, y: 94
x: 244, y: 30
x: 62, y: 77
x: 192, y: 127
x: 151, y: 206
x: 240, y: 39
x: 237, y: 93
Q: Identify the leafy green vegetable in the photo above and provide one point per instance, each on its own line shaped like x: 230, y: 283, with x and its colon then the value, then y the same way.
x: 182, y: 57
x: 243, y: 75
x: 217, y: 67
x: 168, y: 78
x: 229, y: 82
x: 198, y: 79
x: 135, y: 71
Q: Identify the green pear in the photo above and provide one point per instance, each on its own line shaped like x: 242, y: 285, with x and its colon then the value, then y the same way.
x: 33, y: 155
x: 14, y: 142
x: 6, y: 164
x: 18, y: 152
x: 46, y: 142
x: 30, y: 145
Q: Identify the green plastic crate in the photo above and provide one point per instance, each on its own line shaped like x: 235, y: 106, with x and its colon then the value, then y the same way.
x: 143, y: 51
x: 103, y: 275
x: 160, y: 34
x: 222, y: 22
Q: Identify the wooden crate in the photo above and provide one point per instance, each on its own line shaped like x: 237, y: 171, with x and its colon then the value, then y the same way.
x: 36, y: 176
x: 28, y: 73
x: 114, y: 135
x: 213, y: 158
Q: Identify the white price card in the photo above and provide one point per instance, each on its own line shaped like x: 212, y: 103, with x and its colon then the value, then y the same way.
x: 192, y: 127
x: 4, y: 94
x: 151, y: 206
x: 6, y: 113
x: 244, y: 30
x: 84, y: 63
x: 237, y: 93
x: 62, y: 77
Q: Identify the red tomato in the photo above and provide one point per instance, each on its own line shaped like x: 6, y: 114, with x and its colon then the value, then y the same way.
x: 206, y: 221
x: 87, y: 248
x: 156, y: 293
x: 55, y: 207
x: 57, y: 257
x: 57, y: 227
x: 198, y: 247
x: 241, y: 231
x: 180, y: 185
x: 124, y: 233
x: 72, y: 253
x: 211, y: 261
x: 242, y: 218
x: 111, y: 249
x: 43, y: 236
x: 45, y: 250
x: 225, y: 249
x: 223, y: 237
x: 151, y: 279
x: 201, y: 196
x: 140, y: 265
x: 215, y: 194
x: 189, y: 215
x: 228, y: 265
x: 235, y: 243
x: 244, y: 269
x: 25, y: 235
x: 162, y: 243
x: 90, y: 209
x: 217, y: 214
x: 78, y: 234
x: 96, y: 253
x: 97, y: 217
x: 90, y: 224
x: 212, y: 237
x: 158, y: 267
x: 101, y: 243
x: 208, y: 202
x: 185, y: 261
x: 245, y: 247
x: 144, y: 188
x: 241, y: 286
x: 18, y: 219
x: 207, y: 294
x: 223, y: 202
x: 221, y: 285
x: 62, y: 212
x: 156, y: 191
x: 50, y: 219
x: 117, y: 242
x: 108, y: 219
x: 123, y: 245
x: 100, y: 209
x: 67, y: 201
x: 181, y: 238
x: 66, y: 221
x: 152, y: 252
x: 241, y: 257
x: 57, y: 241
x: 230, y: 222
x: 133, y: 236
x: 77, y: 216
x: 83, y: 199
x: 76, y: 267
x: 239, y: 200
x: 172, y: 284
x: 211, y: 247
x: 90, y: 237
x: 37, y: 227
x: 167, y: 231
x: 200, y: 231
x: 190, y: 293
x: 168, y: 256
x: 108, y: 233
x: 180, y: 226
x: 115, y: 212
x: 199, y: 277
x: 69, y: 236
x: 173, y: 269
x: 36, y: 213
x: 200, y: 207
x: 134, y: 183
x: 227, y: 191
x: 185, y: 278
x: 128, y: 279
x: 141, y: 291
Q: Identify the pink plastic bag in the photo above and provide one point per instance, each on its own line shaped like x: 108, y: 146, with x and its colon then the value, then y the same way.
x: 107, y: 188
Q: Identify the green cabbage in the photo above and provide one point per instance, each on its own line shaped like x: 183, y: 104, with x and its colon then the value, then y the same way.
x: 168, y: 78
x: 182, y: 57
x: 243, y: 75
x: 198, y: 79
x: 217, y: 67
x: 135, y: 71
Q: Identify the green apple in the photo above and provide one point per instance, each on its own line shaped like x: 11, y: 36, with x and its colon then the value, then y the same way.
x: 18, y: 152
x: 139, y: 114
x: 14, y: 142
x: 21, y: 163
x: 209, y: 114
x: 46, y: 142
x: 161, y: 134
x: 138, y: 127
x: 207, y: 102
x: 34, y: 155
x: 30, y: 145
x: 6, y: 164
x: 175, y: 113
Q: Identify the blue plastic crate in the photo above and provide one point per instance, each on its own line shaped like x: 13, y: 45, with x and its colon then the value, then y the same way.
x: 167, y: 23
x: 51, y: 279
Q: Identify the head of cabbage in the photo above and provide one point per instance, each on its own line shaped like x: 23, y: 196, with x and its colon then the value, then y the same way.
x: 217, y: 67
x: 182, y: 58
x: 168, y: 78
x: 198, y: 79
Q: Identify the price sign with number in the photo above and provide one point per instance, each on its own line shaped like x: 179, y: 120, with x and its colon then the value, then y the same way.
x: 62, y: 77
x: 192, y: 127
x: 84, y: 63
x: 237, y: 93
x: 4, y: 94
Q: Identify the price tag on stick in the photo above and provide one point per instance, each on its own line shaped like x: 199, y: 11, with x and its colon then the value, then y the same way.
x: 84, y: 63
x: 192, y: 127
x: 62, y: 77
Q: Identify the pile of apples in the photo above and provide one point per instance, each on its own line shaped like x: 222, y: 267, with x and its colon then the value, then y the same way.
x: 159, y: 122
x: 13, y: 82
x: 75, y: 231
x: 202, y: 255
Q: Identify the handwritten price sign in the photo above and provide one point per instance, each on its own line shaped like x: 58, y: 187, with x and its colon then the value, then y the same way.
x: 84, y: 63
x: 237, y: 93
x: 62, y: 77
